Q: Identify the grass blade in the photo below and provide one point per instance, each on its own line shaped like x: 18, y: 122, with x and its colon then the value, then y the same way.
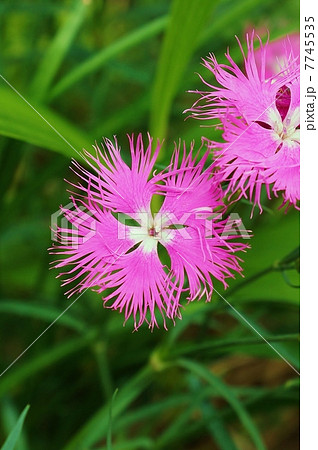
x: 13, y: 437
x: 57, y: 50
x: 97, y: 61
x: 39, y: 311
x: 109, y: 430
x: 94, y: 429
x: 11, y: 379
x: 18, y: 120
x: 228, y: 395
x: 10, y: 416
x: 187, y: 19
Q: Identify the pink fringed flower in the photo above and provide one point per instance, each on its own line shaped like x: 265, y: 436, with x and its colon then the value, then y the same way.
x: 103, y: 251
x: 278, y: 53
x: 260, y: 118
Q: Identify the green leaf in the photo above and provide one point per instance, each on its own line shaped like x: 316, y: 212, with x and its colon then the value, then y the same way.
x: 98, y: 61
x: 109, y: 430
x: 57, y: 50
x: 39, y: 311
x: 95, y: 428
x: 13, y: 437
x: 186, y: 22
x: 183, y: 425
x: 228, y: 345
x: 227, y: 393
x: 138, y: 444
x: 279, y: 349
x: 12, y: 378
x: 10, y: 415
x: 217, y: 428
x: 38, y: 125
x: 273, y: 238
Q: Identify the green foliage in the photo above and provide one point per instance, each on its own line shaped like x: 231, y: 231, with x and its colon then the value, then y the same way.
x: 186, y: 23
x: 38, y: 125
x: 12, y: 439
x: 227, y: 393
x: 80, y: 70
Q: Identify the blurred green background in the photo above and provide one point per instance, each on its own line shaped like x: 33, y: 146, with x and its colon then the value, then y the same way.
x: 103, y: 68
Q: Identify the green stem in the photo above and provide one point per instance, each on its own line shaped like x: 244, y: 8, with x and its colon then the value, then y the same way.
x: 254, y: 277
x: 100, y: 350
x: 44, y: 360
x: 99, y: 59
x: 230, y: 343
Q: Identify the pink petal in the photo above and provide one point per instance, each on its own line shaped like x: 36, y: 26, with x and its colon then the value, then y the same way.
x: 141, y: 286
x: 190, y: 190
x: 96, y: 241
x: 116, y: 185
x: 201, y: 257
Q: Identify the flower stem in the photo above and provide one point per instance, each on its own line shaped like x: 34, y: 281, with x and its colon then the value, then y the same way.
x: 254, y: 277
x: 100, y: 350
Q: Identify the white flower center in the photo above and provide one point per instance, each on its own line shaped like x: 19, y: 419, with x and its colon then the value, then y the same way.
x: 287, y: 130
x: 151, y: 231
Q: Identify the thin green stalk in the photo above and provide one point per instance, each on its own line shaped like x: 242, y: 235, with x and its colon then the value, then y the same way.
x: 109, y: 431
x: 248, y: 280
x: 288, y: 262
x: 57, y: 50
x: 221, y: 344
x: 45, y: 359
x: 94, y: 429
x: 100, y: 350
x: 98, y: 60
x: 227, y: 393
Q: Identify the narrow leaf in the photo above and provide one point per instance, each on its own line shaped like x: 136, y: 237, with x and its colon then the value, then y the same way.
x: 38, y: 125
x: 15, y: 376
x: 39, y: 311
x: 94, y: 429
x: 228, y: 394
x: 97, y: 61
x: 187, y: 20
x: 16, y: 431
x: 57, y: 50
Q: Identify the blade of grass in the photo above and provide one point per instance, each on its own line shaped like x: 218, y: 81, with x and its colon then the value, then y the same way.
x: 44, y: 360
x: 10, y: 416
x: 99, y: 59
x: 13, y: 437
x: 183, y: 422
x: 38, y: 311
x: 110, y: 418
x: 280, y: 350
x: 160, y: 407
x: 138, y: 444
x: 19, y: 121
x: 228, y: 344
x: 57, y: 50
x: 187, y: 19
x: 100, y: 348
x: 94, y: 429
x: 218, y: 429
x: 228, y: 395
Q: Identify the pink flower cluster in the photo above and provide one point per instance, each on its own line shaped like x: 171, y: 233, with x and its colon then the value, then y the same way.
x: 143, y: 261
x: 259, y: 109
